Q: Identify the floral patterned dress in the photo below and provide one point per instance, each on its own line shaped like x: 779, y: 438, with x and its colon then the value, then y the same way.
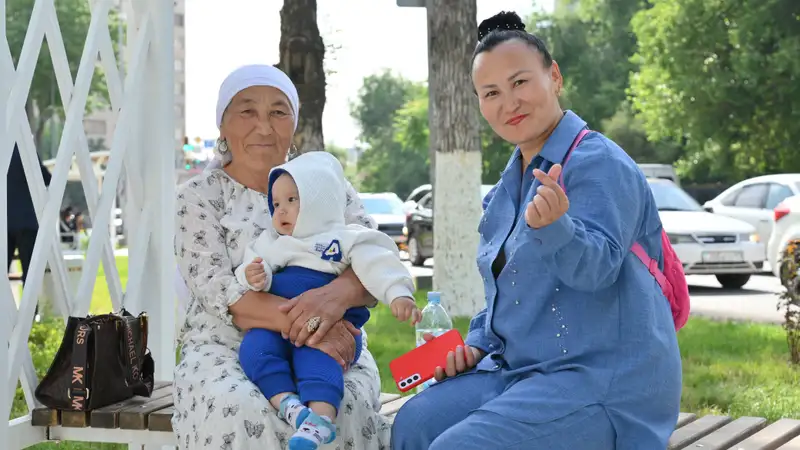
x: 216, y: 406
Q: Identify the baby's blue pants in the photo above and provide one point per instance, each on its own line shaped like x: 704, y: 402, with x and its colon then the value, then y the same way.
x: 275, y: 365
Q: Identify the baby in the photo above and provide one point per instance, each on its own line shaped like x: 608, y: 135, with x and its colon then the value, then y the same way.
x: 310, y: 246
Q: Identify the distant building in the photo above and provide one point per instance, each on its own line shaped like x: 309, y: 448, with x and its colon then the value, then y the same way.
x: 100, y: 124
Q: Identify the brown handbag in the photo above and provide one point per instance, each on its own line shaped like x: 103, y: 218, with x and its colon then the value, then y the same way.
x: 102, y: 360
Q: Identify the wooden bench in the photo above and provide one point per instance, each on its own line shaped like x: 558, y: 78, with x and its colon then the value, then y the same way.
x: 148, y: 420
x: 139, y: 419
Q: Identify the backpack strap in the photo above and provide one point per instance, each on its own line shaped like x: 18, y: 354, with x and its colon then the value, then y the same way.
x: 650, y: 263
x: 575, y: 143
x: 637, y: 249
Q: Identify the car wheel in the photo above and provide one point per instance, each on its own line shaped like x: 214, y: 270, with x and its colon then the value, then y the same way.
x: 733, y: 280
x: 414, y: 254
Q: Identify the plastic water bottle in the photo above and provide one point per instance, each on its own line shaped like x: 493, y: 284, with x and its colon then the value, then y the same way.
x: 434, y: 321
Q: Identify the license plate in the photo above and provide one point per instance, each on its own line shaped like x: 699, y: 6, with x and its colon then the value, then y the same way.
x: 717, y: 257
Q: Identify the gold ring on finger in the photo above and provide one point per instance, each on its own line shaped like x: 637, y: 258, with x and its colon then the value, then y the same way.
x: 313, y: 324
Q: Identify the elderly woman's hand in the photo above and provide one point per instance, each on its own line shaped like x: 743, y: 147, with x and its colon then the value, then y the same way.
x: 328, y: 303
x: 339, y: 343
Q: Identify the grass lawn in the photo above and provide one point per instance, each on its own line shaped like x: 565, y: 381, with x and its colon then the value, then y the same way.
x: 728, y: 368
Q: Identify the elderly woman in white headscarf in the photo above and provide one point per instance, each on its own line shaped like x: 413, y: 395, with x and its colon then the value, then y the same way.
x: 218, y: 213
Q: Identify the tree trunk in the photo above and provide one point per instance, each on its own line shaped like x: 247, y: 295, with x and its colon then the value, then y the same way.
x: 456, y: 140
x: 302, y: 53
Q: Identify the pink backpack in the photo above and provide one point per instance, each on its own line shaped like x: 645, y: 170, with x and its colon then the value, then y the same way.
x: 672, y: 280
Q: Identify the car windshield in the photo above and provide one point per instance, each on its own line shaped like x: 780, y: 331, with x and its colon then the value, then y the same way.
x: 383, y: 205
x: 670, y: 197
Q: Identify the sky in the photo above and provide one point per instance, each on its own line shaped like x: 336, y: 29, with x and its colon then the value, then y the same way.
x: 221, y: 36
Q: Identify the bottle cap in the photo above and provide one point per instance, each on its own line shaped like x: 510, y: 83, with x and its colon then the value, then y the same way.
x: 434, y: 297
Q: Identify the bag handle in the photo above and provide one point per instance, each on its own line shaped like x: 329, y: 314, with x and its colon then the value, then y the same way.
x: 137, y: 364
x: 78, y: 391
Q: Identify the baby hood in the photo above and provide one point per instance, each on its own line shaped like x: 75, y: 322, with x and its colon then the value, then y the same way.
x: 321, y: 185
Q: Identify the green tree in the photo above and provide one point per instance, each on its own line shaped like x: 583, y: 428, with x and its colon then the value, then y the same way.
x: 44, y: 101
x: 380, y: 97
x: 402, y: 164
x: 380, y: 101
x: 593, y: 47
x: 721, y: 76
x: 393, y: 115
x: 628, y: 132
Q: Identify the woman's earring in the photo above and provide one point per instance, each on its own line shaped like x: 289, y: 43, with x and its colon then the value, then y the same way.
x: 292, y: 152
x: 222, y: 145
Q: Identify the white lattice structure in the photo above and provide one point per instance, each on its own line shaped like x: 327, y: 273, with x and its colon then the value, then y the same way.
x: 143, y: 144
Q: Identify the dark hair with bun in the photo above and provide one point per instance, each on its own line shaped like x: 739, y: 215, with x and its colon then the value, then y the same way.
x: 505, y: 26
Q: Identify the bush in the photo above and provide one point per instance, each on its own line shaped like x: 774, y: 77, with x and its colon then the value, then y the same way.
x: 790, y: 299
x: 44, y: 342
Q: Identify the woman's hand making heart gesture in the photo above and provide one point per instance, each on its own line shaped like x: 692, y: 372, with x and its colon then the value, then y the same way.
x: 550, y: 201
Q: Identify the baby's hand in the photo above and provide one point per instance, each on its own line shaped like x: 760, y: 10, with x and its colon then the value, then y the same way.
x: 404, y: 308
x: 255, y: 274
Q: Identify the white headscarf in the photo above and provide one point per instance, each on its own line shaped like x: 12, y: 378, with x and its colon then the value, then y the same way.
x: 238, y: 80
x: 243, y: 78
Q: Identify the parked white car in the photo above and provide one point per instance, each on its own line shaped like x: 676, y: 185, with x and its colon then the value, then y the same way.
x: 708, y: 244
x: 753, y: 200
x: 786, y: 218
x: 415, y: 196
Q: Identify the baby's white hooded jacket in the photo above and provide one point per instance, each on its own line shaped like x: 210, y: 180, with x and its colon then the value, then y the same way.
x: 322, y: 241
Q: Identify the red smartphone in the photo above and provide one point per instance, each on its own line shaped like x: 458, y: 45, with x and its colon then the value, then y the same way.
x: 417, y: 366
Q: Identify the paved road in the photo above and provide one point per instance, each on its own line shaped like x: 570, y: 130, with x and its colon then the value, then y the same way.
x: 755, y: 302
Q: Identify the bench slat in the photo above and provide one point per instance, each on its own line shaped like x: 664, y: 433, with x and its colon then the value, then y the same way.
x: 393, y: 406
x: 731, y: 433
x: 794, y: 444
x: 135, y: 417
x: 74, y: 419
x: 386, y: 397
x: 161, y: 420
x: 45, y: 417
x: 684, y: 418
x: 108, y: 416
x: 693, y: 431
x: 771, y: 437
x: 708, y: 432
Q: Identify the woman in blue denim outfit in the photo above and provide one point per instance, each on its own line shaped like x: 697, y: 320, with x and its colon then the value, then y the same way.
x: 576, y: 348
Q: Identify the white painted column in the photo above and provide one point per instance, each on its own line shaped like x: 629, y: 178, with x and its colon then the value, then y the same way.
x: 6, y: 296
x: 158, y: 294
x: 154, y: 145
